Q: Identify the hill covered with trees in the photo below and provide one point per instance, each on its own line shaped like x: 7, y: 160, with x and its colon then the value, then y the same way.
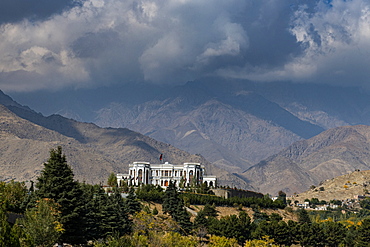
x: 60, y: 209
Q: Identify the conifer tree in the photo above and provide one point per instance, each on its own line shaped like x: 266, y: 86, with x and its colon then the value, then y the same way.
x: 109, y: 216
x: 170, y: 199
x: 132, y: 204
x: 57, y: 182
x: 303, y: 216
x: 174, y: 205
x: 200, y: 220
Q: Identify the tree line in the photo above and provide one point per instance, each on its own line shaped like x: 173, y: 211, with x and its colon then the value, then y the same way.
x: 58, y: 209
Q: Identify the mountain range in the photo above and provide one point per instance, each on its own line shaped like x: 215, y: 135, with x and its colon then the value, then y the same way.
x: 237, y: 125
x: 93, y: 152
x: 332, y: 153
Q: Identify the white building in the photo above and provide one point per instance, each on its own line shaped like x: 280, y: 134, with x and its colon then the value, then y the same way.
x: 162, y: 174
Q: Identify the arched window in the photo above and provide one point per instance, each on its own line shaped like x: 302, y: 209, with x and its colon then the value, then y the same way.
x: 140, y: 175
x: 191, y: 176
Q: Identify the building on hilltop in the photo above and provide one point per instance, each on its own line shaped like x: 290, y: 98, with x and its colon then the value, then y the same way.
x: 161, y: 174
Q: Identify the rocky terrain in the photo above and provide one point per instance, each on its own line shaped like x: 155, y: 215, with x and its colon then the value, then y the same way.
x: 232, y: 123
x: 330, y: 154
x: 93, y: 152
x: 339, y: 188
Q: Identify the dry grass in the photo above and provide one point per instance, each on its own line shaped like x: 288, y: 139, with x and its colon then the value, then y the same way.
x: 226, y: 211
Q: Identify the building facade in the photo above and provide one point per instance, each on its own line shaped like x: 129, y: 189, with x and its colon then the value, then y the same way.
x: 161, y: 174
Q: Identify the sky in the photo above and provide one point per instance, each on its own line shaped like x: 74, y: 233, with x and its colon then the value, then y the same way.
x: 54, y: 45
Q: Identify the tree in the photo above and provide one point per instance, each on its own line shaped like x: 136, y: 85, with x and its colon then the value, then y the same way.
x: 12, y: 195
x: 114, y: 217
x: 303, y: 216
x: 42, y: 223
x: 233, y: 226
x: 282, y: 197
x: 57, y: 182
x: 112, y: 180
x: 210, y: 211
x: 7, y: 235
x: 170, y: 199
x: 363, y: 233
x: 174, y: 205
x: 132, y: 204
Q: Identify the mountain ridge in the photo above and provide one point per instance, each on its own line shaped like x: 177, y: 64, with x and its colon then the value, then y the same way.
x: 92, y: 152
x: 332, y: 153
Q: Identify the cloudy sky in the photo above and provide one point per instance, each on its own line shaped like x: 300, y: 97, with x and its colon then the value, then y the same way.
x: 90, y: 43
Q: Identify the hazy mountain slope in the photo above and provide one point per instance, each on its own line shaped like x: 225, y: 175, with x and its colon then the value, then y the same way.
x: 93, y: 152
x: 330, y: 154
x: 339, y: 188
x: 231, y: 128
x: 233, y: 123
x: 223, y: 134
x: 324, y: 105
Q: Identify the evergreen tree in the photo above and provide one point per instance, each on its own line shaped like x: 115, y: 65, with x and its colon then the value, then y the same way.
x: 57, y: 182
x: 363, y: 233
x: 132, y: 204
x: 174, y: 205
x: 335, y: 233
x: 114, y: 217
x: 93, y: 196
x: 282, y: 197
x: 170, y: 199
x: 303, y: 216
x: 182, y: 217
x: 200, y: 220
x: 210, y: 211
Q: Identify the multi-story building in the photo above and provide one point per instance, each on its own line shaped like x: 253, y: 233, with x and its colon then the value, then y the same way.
x: 161, y: 174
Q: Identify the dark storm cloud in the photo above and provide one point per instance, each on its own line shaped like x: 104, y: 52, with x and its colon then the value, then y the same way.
x: 17, y: 10
x: 95, y: 42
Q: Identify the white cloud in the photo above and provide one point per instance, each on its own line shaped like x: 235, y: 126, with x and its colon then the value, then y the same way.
x: 102, y: 42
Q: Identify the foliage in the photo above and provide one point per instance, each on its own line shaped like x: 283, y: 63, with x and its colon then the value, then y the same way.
x: 264, y: 202
x: 265, y: 242
x: 105, y: 215
x: 57, y: 182
x: 210, y: 211
x: 132, y: 204
x: 113, y: 215
x: 233, y: 226
x: 112, y: 180
x: 303, y: 216
x: 150, y: 192
x: 8, y: 235
x: 365, y: 203
x: 42, y: 223
x: 221, y: 241
x: 12, y: 195
x: 145, y: 224
x: 363, y: 233
x: 282, y: 197
x: 174, y: 205
x: 204, y: 189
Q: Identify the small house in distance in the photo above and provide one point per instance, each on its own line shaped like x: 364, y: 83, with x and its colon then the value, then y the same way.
x: 161, y: 174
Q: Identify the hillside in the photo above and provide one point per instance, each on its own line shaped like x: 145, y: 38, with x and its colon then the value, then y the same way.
x: 330, y: 154
x: 232, y: 123
x: 339, y: 188
x: 93, y: 152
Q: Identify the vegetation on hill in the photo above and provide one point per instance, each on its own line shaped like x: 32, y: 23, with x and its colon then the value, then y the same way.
x: 65, y: 211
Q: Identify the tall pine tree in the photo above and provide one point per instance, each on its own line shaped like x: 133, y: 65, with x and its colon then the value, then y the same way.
x: 174, y: 205
x: 57, y: 182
